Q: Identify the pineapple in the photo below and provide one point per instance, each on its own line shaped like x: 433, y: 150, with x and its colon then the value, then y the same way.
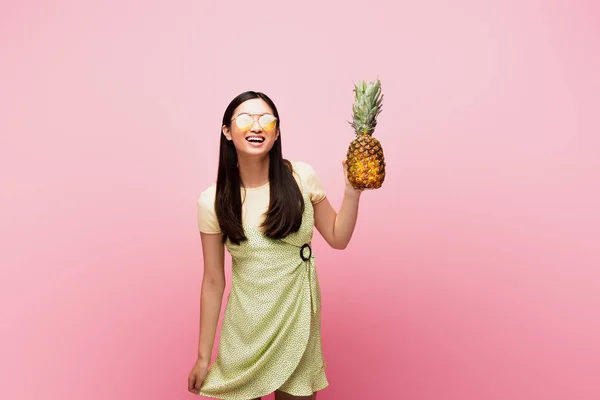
x: 365, y: 161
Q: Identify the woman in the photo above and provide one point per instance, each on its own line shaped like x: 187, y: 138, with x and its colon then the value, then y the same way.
x: 262, y: 209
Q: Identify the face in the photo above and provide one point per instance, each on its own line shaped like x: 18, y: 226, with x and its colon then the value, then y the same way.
x: 253, y: 129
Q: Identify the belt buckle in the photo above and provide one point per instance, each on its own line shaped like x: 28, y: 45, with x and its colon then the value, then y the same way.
x: 304, y: 246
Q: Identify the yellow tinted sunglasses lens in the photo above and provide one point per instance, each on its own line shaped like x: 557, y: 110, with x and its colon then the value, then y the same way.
x: 267, y: 122
x: 244, y: 121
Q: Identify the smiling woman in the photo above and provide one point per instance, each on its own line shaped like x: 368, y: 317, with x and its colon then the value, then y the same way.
x: 245, y: 122
x: 254, y: 123
x: 250, y: 163
x: 263, y: 210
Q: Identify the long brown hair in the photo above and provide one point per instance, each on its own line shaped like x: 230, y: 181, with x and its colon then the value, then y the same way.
x: 286, y: 204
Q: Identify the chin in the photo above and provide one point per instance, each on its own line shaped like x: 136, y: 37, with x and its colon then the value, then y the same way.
x: 255, y: 152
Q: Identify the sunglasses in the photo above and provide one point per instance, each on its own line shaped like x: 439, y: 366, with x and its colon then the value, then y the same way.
x: 245, y: 122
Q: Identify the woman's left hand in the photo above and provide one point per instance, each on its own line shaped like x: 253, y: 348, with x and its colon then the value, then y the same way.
x: 349, y: 189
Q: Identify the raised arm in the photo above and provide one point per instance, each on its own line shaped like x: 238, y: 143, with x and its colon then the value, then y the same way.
x: 337, y: 228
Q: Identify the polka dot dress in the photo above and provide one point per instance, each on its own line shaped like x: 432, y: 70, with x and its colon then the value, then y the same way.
x: 271, y: 333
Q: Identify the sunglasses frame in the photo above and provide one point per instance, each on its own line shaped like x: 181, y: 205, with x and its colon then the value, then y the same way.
x: 255, y: 119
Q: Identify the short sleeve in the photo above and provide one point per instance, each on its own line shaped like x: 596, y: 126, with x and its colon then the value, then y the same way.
x: 311, y: 182
x: 207, y: 218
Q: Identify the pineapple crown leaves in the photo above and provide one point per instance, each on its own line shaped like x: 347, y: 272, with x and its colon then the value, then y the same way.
x: 368, y: 100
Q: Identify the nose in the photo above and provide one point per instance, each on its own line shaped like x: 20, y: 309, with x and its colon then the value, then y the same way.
x: 256, y: 126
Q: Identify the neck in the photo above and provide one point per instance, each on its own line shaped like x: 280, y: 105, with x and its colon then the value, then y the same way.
x: 254, y: 172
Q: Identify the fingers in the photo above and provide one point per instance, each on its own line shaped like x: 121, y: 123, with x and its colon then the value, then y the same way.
x: 194, y: 384
x: 191, y: 383
x: 198, y: 386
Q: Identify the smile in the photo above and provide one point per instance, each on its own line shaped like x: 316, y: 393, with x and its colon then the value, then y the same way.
x: 255, y: 139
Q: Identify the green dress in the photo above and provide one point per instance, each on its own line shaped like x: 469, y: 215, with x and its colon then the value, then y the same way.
x: 271, y: 332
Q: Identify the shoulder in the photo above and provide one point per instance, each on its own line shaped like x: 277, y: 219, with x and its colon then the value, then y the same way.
x: 303, y: 169
x: 207, y: 196
x: 207, y: 217
x: 310, y: 180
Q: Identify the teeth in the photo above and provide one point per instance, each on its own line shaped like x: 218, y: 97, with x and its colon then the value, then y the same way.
x: 255, y: 139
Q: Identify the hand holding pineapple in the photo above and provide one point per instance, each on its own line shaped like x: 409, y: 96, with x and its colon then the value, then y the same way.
x: 365, y: 163
x: 349, y: 189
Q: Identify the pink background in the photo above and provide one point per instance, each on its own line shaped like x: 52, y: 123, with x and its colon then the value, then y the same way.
x: 473, y: 273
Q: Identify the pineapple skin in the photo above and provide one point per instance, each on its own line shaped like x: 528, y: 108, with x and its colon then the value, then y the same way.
x: 365, y: 160
x: 366, y: 163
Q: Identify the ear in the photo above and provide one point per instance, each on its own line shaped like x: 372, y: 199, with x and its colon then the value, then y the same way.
x: 226, y: 132
x: 277, y: 134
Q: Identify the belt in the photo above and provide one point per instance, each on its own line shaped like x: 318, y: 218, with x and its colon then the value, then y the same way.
x: 310, y: 270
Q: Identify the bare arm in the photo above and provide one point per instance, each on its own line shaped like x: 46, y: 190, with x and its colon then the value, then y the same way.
x: 337, y: 228
x: 213, y: 286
